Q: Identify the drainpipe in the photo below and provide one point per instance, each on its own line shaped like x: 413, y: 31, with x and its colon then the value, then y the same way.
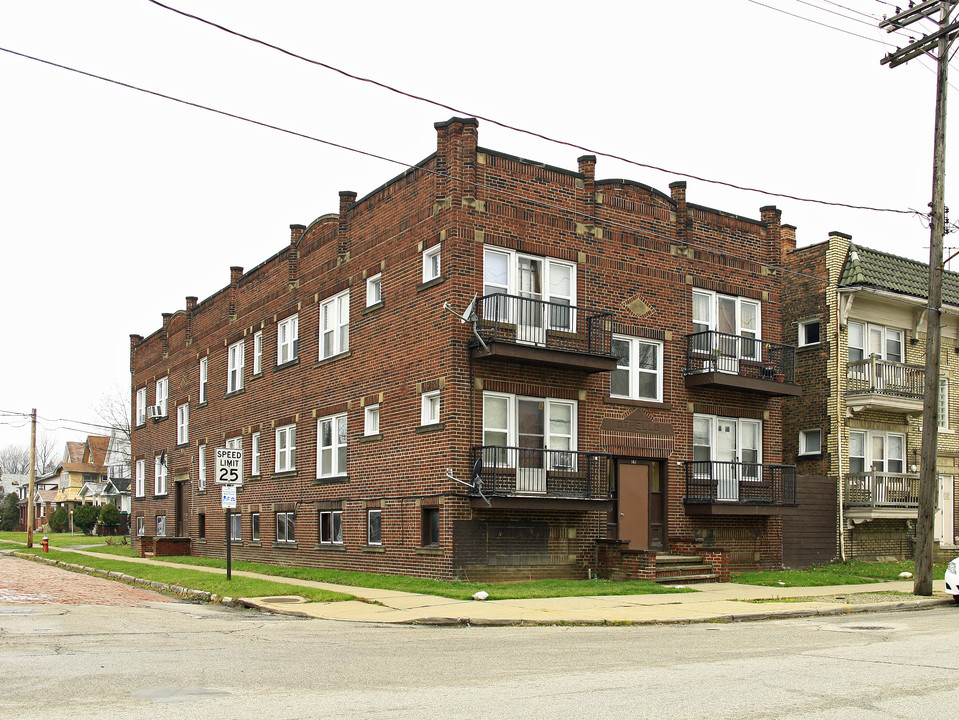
x: 839, y: 415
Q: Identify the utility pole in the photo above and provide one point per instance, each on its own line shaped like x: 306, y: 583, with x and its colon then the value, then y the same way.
x: 937, y: 45
x: 33, y: 476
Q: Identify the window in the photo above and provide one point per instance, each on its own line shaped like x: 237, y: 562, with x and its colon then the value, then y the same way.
x: 431, y: 526
x: 183, y: 424
x: 809, y: 332
x: 430, y: 408
x: 255, y: 527
x: 944, y: 403
x: 163, y: 388
x: 201, y: 460
x: 285, y: 522
x: 431, y: 263
x: 161, y: 526
x: 258, y: 352
x: 866, y: 339
x: 235, y: 443
x: 235, y: 527
x: 235, y: 361
x: 331, y: 527
x: 159, y: 475
x: 255, y: 452
x: 371, y: 420
x: 538, y: 280
x: 286, y: 448
x: 331, y: 446
x: 535, y: 434
x: 140, y: 478
x: 876, y: 451
x: 374, y: 290
x: 374, y: 527
x: 810, y: 442
x: 140, y: 526
x: 726, y: 325
x: 639, y: 369
x: 728, y: 449
x: 204, y: 369
x: 287, y: 339
x: 335, y: 325
x: 201, y: 526
x: 141, y: 406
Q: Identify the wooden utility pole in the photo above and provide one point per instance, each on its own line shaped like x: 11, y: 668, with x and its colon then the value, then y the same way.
x: 33, y: 476
x: 937, y: 45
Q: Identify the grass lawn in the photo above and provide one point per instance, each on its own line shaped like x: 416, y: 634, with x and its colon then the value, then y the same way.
x: 851, y: 572
x: 56, y: 539
x: 196, y: 579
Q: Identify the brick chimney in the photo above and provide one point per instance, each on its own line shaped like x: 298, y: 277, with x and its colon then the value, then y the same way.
x: 771, y: 217
x: 293, y: 258
x: 347, y: 199
x: 166, y: 333
x: 677, y: 191
x: 135, y: 341
x: 456, y: 159
x: 236, y: 272
x: 787, y: 238
x: 587, y: 167
x: 190, y: 307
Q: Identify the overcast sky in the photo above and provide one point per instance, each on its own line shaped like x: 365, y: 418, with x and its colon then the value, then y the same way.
x: 116, y: 205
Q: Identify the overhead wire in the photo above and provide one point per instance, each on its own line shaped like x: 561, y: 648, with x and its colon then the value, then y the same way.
x: 513, y: 128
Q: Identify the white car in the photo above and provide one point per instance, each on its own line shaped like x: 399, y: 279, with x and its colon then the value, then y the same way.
x: 952, y: 579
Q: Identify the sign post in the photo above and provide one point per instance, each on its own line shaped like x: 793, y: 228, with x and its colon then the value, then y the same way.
x: 228, y: 472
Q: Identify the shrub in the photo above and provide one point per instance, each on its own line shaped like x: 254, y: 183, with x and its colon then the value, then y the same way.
x: 60, y: 522
x: 9, y: 516
x: 84, y: 518
x: 109, y: 515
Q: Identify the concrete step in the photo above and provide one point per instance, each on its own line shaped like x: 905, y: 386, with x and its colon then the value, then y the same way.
x: 687, y: 579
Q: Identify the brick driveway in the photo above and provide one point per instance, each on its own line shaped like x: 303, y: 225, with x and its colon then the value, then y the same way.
x: 33, y: 583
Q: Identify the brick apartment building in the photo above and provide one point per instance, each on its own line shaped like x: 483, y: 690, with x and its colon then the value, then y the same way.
x: 615, y: 395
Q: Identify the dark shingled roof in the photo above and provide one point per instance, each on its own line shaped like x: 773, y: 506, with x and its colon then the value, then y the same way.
x: 865, y: 266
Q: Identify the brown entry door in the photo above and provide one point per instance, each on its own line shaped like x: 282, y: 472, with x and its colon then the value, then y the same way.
x: 641, y: 504
x: 179, y: 509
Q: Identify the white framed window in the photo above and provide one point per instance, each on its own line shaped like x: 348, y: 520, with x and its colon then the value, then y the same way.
x: 374, y: 527
x: 235, y: 361
x: 287, y: 339
x: 943, y: 403
x: 734, y: 324
x: 639, y: 369
x: 235, y: 443
x: 140, y: 526
x: 141, y: 406
x: 236, y: 527
x: 258, y: 352
x: 530, y: 423
x: 810, y: 442
x: 873, y: 450
x: 868, y: 339
x: 162, y: 393
x: 204, y: 374
x: 335, y: 325
x: 201, y: 472
x: 810, y: 332
x: 331, y: 440
x: 432, y: 268
x: 159, y: 475
x: 374, y: 290
x: 729, y: 449
x: 161, y: 525
x: 331, y: 527
x: 140, y: 479
x: 255, y: 527
x: 285, y: 448
x: 285, y: 526
x: 183, y: 424
x: 371, y: 420
x: 255, y: 454
x: 534, y: 278
x: 430, y: 408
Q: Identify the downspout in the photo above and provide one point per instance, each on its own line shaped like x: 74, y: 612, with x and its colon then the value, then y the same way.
x: 839, y: 416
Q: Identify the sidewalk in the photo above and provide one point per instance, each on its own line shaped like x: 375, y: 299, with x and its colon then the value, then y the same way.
x: 717, y: 602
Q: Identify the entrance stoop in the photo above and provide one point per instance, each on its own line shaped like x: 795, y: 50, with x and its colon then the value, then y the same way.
x: 683, y: 569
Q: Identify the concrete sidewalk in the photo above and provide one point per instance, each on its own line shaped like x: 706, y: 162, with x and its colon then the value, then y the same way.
x: 717, y: 602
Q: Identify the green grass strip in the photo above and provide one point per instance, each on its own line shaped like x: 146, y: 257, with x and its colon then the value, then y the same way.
x: 851, y: 572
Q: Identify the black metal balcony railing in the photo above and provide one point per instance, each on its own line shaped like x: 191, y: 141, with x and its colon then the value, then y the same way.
x: 880, y: 489
x: 552, y: 325
x: 882, y: 377
x: 711, y: 481
x: 548, y: 473
x: 714, y: 351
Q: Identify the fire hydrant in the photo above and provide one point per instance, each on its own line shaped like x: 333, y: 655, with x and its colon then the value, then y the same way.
x: 46, y: 544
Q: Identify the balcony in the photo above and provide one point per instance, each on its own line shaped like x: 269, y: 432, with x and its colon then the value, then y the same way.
x: 536, y: 478
x: 872, y: 495
x: 737, y: 488
x: 720, y: 360
x: 880, y: 384
x: 535, y: 332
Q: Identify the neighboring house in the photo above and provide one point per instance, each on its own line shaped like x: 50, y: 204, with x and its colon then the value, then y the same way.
x: 613, y: 395
x: 44, y: 491
x: 91, y: 468
x: 860, y: 329
x: 106, y: 492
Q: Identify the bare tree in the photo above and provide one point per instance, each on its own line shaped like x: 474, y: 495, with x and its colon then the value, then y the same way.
x: 15, y: 460
x: 114, y: 409
x: 48, y: 453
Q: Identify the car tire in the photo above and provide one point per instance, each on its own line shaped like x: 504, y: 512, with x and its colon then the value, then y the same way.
x: 956, y: 599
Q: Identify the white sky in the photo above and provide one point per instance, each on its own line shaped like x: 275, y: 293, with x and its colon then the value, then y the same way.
x: 116, y: 205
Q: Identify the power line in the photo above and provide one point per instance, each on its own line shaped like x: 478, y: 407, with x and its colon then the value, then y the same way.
x: 805, y: 19
x: 858, y: 12
x: 513, y: 128
x: 871, y: 22
x: 494, y: 191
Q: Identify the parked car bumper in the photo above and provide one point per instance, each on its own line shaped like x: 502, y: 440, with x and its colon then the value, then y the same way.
x: 952, y: 579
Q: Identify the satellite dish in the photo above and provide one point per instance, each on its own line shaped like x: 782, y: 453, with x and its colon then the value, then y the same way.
x: 469, y: 314
x: 478, y: 469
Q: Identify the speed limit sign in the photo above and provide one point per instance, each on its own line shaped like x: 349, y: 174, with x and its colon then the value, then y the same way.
x: 228, y: 467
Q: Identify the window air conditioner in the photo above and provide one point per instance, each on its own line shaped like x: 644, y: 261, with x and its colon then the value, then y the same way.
x: 155, y: 411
